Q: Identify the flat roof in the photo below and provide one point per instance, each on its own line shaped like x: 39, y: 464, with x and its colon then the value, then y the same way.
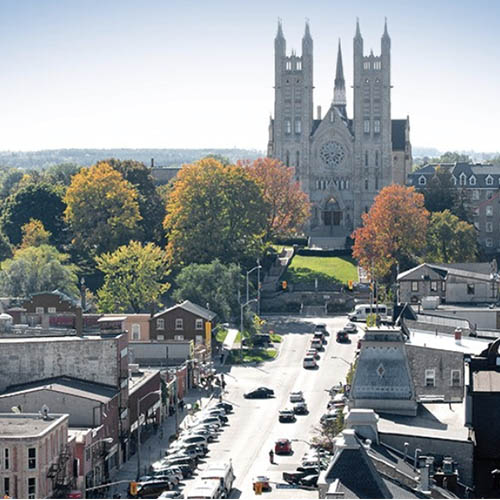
x: 136, y: 380
x: 465, y: 308
x: 433, y: 420
x: 486, y: 381
x: 26, y: 425
x: 62, y: 338
x: 467, y: 345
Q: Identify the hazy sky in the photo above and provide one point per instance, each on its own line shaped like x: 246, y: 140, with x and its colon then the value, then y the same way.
x: 187, y: 74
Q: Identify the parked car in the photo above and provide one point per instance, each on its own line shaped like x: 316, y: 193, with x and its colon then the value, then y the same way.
x: 317, y: 344
x: 228, y: 408
x: 296, y: 397
x: 300, y: 479
x: 350, y: 328
x: 322, y: 328
x: 194, y: 450
x: 283, y: 447
x: 342, y: 336
x: 313, y: 352
x: 309, y: 362
x: 286, y: 416
x: 259, y: 393
x: 178, y: 461
x: 171, y: 494
x: 199, y: 440
x: 300, y: 408
x: 151, y: 489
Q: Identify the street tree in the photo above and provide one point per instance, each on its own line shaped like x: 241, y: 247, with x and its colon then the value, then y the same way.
x: 450, y: 239
x: 39, y: 201
x: 393, y: 231
x: 288, y: 206
x: 102, y: 210
x: 151, y: 204
x: 34, y: 234
x: 215, y: 284
x: 38, y: 269
x: 440, y: 192
x: 214, y: 211
x: 134, y: 278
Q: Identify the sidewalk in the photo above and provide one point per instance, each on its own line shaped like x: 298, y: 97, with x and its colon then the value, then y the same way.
x: 154, y: 447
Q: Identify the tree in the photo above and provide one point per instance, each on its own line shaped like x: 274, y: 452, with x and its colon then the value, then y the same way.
x: 393, y: 230
x: 38, y: 269
x: 151, y: 204
x: 288, y: 205
x: 5, y: 248
x: 61, y: 173
x: 450, y: 239
x: 102, y: 210
x: 439, y: 193
x: 214, y: 212
x: 134, y: 278
x: 9, y: 180
x: 214, y: 284
x: 34, y: 234
x: 39, y: 201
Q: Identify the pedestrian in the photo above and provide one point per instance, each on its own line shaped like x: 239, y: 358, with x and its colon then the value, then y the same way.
x: 271, y: 456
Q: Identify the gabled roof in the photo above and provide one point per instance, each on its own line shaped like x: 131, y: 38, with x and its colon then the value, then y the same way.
x: 62, y: 296
x: 192, y: 308
x: 422, y: 268
x: 474, y: 270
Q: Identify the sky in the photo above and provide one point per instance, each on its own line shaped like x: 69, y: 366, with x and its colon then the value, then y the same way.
x: 199, y: 74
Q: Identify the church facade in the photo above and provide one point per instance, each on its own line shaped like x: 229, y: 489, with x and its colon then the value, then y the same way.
x: 340, y: 162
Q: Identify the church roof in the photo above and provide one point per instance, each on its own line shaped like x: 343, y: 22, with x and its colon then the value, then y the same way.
x: 398, y: 135
x: 315, y: 125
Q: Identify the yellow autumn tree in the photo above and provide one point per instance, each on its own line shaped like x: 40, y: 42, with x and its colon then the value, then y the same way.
x: 102, y: 209
x: 34, y: 234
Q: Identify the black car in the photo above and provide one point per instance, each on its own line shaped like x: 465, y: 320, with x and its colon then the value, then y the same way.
x: 259, y: 393
x: 177, y: 461
x: 228, y: 408
x: 342, y: 336
x: 300, y: 409
x: 287, y: 416
x: 322, y: 328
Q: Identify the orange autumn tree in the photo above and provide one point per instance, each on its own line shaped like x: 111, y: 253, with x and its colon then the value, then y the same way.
x: 393, y: 230
x: 288, y: 205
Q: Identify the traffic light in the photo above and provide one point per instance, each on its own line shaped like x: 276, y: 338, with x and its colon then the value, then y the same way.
x: 133, y: 488
x: 350, y: 284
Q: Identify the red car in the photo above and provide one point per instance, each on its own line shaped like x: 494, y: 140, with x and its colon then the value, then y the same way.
x: 283, y: 447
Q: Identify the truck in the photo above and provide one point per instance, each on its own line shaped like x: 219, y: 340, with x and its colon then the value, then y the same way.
x: 222, y: 472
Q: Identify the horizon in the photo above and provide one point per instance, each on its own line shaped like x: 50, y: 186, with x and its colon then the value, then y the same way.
x: 89, y: 76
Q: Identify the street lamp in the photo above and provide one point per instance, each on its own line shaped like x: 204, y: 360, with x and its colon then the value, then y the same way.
x: 258, y: 267
x: 308, y: 443
x: 342, y: 359
x: 139, y: 430
x: 241, y: 323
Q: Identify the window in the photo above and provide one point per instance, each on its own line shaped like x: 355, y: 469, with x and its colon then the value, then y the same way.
x: 136, y: 332
x: 455, y: 378
x: 472, y: 180
x: 454, y: 179
x: 298, y: 126
x: 6, y: 459
x: 430, y: 378
x: 297, y: 159
x: 414, y: 286
x: 475, y: 194
x: 199, y: 324
x: 376, y: 126
x: 51, y: 310
x: 489, y: 227
x: 489, y: 180
x: 475, y: 212
x: 489, y: 242
x: 160, y: 337
x: 32, y: 487
x: 6, y: 486
x: 366, y: 184
x: 288, y: 126
x: 299, y: 65
x: 463, y: 179
x: 376, y: 181
x: 160, y: 324
x: 434, y: 286
x: 178, y: 337
x: 376, y: 158
x: 289, y: 65
x: 366, y: 158
x: 489, y: 195
x: 31, y: 458
x: 366, y: 65
x: 470, y: 289
x: 39, y: 310
x: 179, y: 324
x: 489, y: 210
x: 287, y: 158
x: 199, y: 339
x: 443, y: 286
x: 377, y: 65
x: 422, y: 180
x: 366, y: 126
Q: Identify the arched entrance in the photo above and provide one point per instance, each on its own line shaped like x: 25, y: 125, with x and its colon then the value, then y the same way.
x: 332, y: 213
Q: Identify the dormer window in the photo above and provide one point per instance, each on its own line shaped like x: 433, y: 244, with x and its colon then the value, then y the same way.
x: 489, y: 180
x: 472, y: 180
x: 422, y: 180
x: 463, y: 179
x: 454, y: 179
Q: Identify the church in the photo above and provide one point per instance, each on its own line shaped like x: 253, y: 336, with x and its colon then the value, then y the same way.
x: 340, y: 162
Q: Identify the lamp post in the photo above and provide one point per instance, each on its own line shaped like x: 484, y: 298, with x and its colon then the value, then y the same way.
x: 242, y: 306
x: 308, y: 443
x: 139, y: 430
x: 258, y: 267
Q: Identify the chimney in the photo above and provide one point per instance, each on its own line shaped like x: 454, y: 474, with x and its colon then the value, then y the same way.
x: 319, y: 112
x: 152, y: 163
x: 424, y: 478
x: 458, y: 336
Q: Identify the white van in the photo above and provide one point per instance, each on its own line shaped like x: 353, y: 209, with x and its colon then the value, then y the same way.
x: 222, y: 472
x: 361, y: 311
x: 210, y: 488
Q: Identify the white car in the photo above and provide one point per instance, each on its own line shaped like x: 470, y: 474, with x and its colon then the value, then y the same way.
x: 296, y: 397
x: 350, y: 328
x: 309, y: 362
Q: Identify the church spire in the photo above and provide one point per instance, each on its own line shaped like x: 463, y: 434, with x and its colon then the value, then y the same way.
x: 307, y: 33
x: 358, y: 31
x: 386, y: 33
x: 279, y: 35
x: 339, y: 96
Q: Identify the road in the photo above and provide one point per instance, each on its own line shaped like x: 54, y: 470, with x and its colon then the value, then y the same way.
x: 253, y: 427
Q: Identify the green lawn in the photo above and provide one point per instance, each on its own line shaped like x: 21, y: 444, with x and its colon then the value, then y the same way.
x: 327, y: 270
x: 253, y: 355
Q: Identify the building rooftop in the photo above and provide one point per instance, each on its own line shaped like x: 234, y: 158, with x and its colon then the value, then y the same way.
x: 486, y: 381
x: 139, y: 378
x: 192, y: 308
x: 467, y: 345
x: 434, y: 420
x: 28, y: 425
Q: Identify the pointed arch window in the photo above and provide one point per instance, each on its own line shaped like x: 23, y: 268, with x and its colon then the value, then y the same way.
x: 366, y: 158
x: 287, y: 159
x: 463, y: 179
x: 454, y: 179
x: 298, y: 125
x: 288, y: 126
x: 472, y: 180
x: 297, y: 159
x: 299, y: 65
x: 376, y: 158
x: 422, y: 181
x: 489, y: 180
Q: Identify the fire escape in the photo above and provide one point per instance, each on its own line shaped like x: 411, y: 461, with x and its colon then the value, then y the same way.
x: 58, y: 472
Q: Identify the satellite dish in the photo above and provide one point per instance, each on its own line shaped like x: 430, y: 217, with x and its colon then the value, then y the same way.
x: 15, y: 409
x: 45, y: 410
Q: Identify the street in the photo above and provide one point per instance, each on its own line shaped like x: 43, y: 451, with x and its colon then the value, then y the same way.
x: 254, y: 427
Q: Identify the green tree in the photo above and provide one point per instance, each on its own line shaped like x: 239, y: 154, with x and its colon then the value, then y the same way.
x: 38, y: 269
x: 61, y: 173
x: 5, y: 248
x: 440, y: 192
x: 214, y: 284
x: 9, y: 180
x: 134, y: 278
x: 151, y: 204
x: 102, y: 210
x: 39, y: 201
x: 450, y: 239
x: 214, y: 212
